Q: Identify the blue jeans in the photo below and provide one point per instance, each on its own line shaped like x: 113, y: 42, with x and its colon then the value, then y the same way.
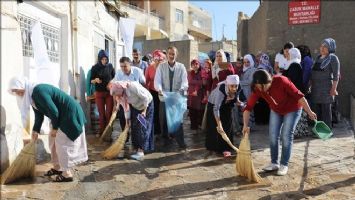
x: 284, y: 125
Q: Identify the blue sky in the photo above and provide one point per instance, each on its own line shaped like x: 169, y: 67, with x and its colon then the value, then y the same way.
x: 226, y: 12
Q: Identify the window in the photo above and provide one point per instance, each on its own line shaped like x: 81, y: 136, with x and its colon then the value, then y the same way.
x: 179, y: 16
x: 50, y: 34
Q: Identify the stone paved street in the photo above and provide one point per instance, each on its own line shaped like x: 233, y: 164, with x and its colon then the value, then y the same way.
x: 318, y: 170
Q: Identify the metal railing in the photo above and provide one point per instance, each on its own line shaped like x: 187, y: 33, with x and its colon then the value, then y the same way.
x: 160, y: 21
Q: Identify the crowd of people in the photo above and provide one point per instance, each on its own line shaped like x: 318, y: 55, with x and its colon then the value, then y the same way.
x: 233, y: 98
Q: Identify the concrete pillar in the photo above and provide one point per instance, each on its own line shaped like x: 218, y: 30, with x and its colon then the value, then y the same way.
x: 147, y: 10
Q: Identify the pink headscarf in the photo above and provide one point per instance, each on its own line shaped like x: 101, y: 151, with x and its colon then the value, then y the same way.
x: 118, y: 89
x: 158, y: 55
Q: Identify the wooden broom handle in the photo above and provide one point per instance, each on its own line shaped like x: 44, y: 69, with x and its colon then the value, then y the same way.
x: 225, y: 138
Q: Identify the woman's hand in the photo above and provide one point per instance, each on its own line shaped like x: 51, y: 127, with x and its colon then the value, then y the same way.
x: 144, y: 113
x: 34, y: 135
x: 245, y: 130
x: 312, y: 115
x: 128, y: 123
x: 333, y: 92
x: 220, y: 128
x: 53, y: 132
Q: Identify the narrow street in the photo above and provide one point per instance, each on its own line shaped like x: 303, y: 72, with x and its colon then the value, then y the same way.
x: 318, y: 169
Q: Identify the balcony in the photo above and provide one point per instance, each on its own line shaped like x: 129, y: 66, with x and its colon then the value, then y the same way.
x: 143, y: 17
x: 199, y: 29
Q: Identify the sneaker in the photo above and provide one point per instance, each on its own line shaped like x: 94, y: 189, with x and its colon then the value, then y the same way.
x: 271, y: 167
x: 138, y: 156
x: 282, y: 171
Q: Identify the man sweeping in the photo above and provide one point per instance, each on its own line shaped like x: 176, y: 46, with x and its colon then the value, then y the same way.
x: 67, y: 137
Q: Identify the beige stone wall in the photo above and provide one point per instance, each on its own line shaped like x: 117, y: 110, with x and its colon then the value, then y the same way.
x: 268, y: 30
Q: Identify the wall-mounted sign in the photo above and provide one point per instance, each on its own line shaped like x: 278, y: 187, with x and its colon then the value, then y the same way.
x: 303, y: 12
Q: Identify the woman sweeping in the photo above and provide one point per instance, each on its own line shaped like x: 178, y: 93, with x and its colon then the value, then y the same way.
x: 220, y: 104
x: 286, y: 103
x: 136, y: 100
x: 67, y: 137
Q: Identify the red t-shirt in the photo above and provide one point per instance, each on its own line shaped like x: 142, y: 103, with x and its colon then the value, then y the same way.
x: 282, y: 96
x: 149, y: 77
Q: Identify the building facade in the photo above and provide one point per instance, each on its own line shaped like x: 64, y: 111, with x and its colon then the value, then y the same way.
x: 268, y: 30
x: 74, y: 32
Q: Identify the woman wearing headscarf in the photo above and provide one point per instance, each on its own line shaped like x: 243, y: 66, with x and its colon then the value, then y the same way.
x: 306, y: 63
x: 286, y: 103
x: 261, y: 109
x: 264, y: 62
x: 220, y: 103
x: 158, y: 57
x: 101, y: 74
x: 324, y: 80
x: 136, y: 100
x: 294, y: 69
x: 220, y: 73
x: 67, y: 137
x: 206, y: 76
x: 295, y: 74
x: 281, y: 62
x: 246, y: 79
x: 195, y: 95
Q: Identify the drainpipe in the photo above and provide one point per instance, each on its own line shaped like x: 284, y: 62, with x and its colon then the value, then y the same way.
x: 73, y: 32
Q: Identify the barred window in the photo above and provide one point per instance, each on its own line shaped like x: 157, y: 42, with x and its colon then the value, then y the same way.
x: 51, y: 37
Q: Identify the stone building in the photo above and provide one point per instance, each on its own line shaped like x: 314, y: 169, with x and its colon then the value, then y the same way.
x: 268, y: 29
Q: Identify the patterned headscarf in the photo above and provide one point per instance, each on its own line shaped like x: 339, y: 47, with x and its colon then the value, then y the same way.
x: 118, y: 90
x: 264, y: 63
x: 331, y: 46
x: 158, y: 55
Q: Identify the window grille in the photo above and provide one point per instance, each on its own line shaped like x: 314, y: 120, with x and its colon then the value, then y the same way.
x: 51, y: 37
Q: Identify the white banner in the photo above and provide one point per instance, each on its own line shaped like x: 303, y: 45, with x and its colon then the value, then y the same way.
x: 126, y: 28
x: 45, y: 71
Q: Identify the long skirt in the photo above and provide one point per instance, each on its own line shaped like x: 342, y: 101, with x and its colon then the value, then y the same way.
x: 156, y: 111
x: 65, y: 153
x: 195, y: 118
x: 214, y: 141
x: 143, y: 138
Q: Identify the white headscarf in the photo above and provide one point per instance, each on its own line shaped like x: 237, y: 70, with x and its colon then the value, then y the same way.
x: 215, y: 68
x: 251, y: 60
x: 295, y: 56
x: 24, y: 103
x: 232, y: 80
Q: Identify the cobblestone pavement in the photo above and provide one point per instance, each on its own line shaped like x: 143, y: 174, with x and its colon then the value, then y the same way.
x: 317, y: 170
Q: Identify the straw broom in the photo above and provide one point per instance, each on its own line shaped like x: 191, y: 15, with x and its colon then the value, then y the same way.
x: 108, y: 130
x: 244, y: 164
x: 115, y: 148
x: 23, y: 166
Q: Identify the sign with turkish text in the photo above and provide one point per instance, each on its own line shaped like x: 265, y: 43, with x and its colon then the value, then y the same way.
x: 304, y: 12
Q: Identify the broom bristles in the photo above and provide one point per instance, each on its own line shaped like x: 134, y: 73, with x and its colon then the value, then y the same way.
x: 116, y: 147
x: 244, y: 162
x: 23, y: 166
x: 108, y: 128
